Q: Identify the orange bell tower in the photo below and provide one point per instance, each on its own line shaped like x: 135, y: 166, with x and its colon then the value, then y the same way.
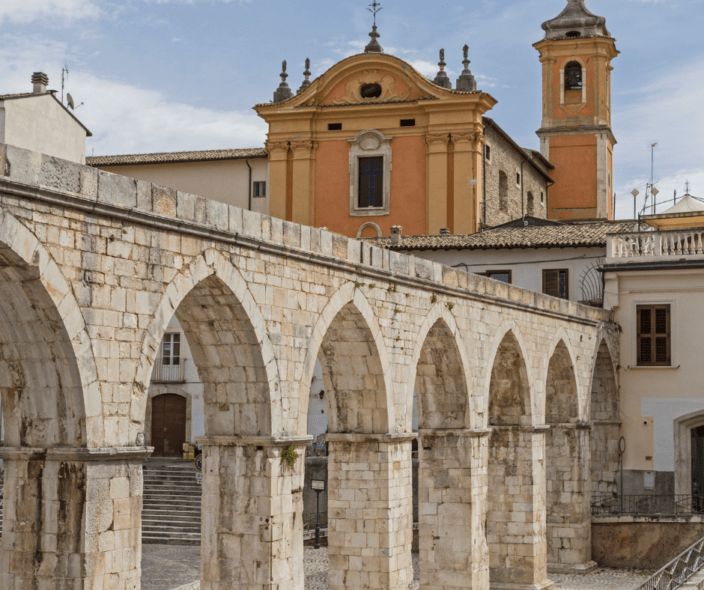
x: 576, y: 135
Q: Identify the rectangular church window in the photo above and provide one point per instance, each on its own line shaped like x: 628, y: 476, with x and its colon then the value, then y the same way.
x: 371, y: 183
x: 556, y: 283
x: 654, y: 338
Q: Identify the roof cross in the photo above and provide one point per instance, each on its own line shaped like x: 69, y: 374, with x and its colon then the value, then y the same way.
x: 375, y: 8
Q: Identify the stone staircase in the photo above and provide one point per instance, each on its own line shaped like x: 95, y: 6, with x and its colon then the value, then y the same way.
x: 171, y: 509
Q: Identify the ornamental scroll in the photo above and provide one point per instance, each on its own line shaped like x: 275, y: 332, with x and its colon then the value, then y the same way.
x: 386, y: 81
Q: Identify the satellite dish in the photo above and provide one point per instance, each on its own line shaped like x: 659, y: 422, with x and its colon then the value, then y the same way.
x: 69, y: 99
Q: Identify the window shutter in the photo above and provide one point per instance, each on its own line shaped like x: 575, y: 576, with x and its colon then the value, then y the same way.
x: 662, y: 335
x: 654, y: 335
x: 551, y: 285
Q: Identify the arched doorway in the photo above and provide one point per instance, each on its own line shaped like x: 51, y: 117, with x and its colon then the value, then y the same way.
x: 168, y: 425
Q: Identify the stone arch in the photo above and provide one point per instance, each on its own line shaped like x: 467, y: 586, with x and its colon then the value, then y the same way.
x: 165, y: 389
x: 507, y: 405
x: 356, y: 310
x: 439, y: 365
x: 231, y: 349
x: 48, y: 374
x: 369, y: 225
x: 683, y: 427
x: 561, y: 389
x: 604, y: 416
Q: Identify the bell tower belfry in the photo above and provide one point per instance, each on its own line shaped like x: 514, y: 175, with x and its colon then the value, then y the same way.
x: 576, y: 135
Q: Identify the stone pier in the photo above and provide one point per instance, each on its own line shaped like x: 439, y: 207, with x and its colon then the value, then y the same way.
x: 370, y: 511
x: 72, y: 518
x: 516, y: 515
x: 452, y: 489
x: 252, y: 514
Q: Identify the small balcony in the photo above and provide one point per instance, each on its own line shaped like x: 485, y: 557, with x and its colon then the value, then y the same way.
x: 166, y: 371
x: 655, y: 246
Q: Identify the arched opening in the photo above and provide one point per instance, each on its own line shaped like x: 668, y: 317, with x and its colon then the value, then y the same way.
x: 530, y: 204
x: 43, y: 411
x: 567, y: 468
x: 606, y: 425
x: 516, y: 512
x: 574, y: 83
x: 503, y: 192
x: 245, y: 482
x: 369, y: 471
x: 451, y: 534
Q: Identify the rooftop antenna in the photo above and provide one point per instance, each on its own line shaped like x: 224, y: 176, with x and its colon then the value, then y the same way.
x: 64, y: 77
x: 71, y: 103
x: 652, y: 174
x: 686, y: 187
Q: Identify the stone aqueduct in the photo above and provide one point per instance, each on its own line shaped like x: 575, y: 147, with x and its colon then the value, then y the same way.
x: 517, y: 395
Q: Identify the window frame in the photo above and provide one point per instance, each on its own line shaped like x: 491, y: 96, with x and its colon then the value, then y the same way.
x: 375, y: 174
x: 567, y: 282
x: 639, y: 307
x: 489, y: 274
x: 255, y: 184
x: 370, y: 144
x: 171, y: 337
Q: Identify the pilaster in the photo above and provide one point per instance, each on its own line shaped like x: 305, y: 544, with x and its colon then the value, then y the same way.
x: 437, y: 214
x: 304, y: 182
x: 370, y: 511
x: 278, y: 162
x: 452, y: 502
x: 466, y: 196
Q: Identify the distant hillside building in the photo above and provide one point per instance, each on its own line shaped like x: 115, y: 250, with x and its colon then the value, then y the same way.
x: 38, y: 121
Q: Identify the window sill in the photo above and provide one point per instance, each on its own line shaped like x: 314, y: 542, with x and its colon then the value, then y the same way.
x: 375, y: 212
x: 637, y: 368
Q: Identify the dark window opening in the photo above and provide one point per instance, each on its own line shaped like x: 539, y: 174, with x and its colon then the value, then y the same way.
x: 556, y: 283
x: 654, y: 338
x: 531, y: 204
x: 371, y: 182
x: 334, y: 126
x: 518, y: 178
x: 487, y: 152
x: 542, y: 197
x: 259, y: 190
x: 503, y: 191
x: 408, y: 122
x: 574, y: 34
x: 573, y: 76
x: 500, y: 275
x: 370, y: 91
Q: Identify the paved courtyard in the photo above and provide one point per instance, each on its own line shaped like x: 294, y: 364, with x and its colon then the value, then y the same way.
x: 165, y: 567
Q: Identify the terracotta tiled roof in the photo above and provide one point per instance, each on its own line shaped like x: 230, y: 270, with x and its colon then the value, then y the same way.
x: 573, y: 235
x: 174, y: 157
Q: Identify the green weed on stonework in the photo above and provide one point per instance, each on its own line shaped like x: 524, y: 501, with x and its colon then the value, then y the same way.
x: 289, y: 456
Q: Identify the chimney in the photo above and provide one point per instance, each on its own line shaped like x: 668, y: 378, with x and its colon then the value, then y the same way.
x: 445, y: 231
x: 41, y: 82
x: 396, y: 235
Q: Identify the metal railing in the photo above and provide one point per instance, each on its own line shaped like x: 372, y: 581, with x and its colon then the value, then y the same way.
x: 644, y: 505
x: 678, y: 571
x: 169, y: 373
x: 651, y: 244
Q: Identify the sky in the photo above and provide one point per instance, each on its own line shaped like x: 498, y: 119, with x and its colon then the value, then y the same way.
x: 176, y: 75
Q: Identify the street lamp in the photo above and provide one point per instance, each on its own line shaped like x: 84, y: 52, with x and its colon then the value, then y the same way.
x: 635, y: 193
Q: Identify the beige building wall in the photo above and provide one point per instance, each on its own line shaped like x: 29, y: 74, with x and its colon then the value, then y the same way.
x: 223, y: 180
x: 39, y: 123
x: 655, y: 399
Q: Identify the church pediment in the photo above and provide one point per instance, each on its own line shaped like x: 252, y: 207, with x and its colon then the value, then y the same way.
x: 374, y: 85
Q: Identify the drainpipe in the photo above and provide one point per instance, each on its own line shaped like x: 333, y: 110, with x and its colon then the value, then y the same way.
x: 523, y: 201
x: 250, y: 183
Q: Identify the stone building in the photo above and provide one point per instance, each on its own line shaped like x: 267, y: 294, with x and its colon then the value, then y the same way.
x: 516, y: 181
x: 38, y: 121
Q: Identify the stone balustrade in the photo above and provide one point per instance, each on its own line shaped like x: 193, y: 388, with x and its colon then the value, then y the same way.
x: 655, y: 246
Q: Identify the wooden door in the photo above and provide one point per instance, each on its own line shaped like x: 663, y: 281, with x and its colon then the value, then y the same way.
x: 168, y: 425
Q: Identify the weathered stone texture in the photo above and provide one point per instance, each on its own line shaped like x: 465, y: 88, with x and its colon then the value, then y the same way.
x: 92, y: 268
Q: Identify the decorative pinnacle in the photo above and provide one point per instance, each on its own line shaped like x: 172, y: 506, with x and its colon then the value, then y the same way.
x: 374, y: 46
x: 441, y: 79
x: 284, y: 92
x: 307, y: 75
x: 466, y: 81
x: 466, y: 61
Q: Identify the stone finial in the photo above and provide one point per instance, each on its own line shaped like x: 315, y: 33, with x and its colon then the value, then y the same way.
x: 396, y: 232
x: 307, y: 75
x: 40, y: 81
x: 283, y: 92
x: 374, y: 46
x: 466, y: 81
x: 441, y: 79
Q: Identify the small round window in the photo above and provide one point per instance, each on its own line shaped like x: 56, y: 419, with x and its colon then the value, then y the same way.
x: 370, y: 91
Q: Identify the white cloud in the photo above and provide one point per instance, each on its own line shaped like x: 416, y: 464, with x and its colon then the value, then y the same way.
x: 125, y: 118
x: 25, y: 11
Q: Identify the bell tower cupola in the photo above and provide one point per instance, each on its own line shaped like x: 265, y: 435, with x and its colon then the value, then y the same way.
x: 575, y: 135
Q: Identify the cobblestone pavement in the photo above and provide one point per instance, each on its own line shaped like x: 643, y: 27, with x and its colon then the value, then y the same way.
x: 167, y: 567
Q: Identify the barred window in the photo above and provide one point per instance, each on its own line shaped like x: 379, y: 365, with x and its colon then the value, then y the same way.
x: 654, y: 337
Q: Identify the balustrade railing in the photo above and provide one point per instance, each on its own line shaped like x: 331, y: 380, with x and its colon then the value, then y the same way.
x: 169, y: 373
x: 651, y: 244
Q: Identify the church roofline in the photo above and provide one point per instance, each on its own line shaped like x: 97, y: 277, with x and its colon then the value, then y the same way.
x: 574, y: 22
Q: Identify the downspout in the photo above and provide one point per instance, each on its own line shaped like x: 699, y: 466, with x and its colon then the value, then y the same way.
x: 523, y: 200
x: 246, y: 161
